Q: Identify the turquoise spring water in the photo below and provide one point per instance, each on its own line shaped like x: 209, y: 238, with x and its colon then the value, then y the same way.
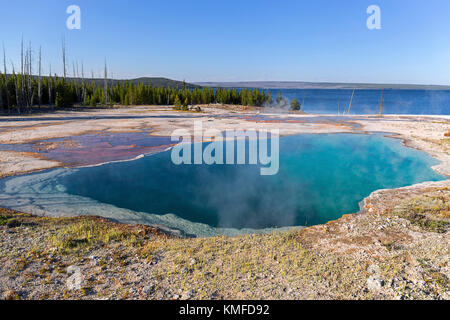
x: 320, y: 178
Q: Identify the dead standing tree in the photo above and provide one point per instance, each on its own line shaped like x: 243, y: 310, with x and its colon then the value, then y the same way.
x: 83, y: 89
x: 15, y: 80
x: 5, y: 75
x: 77, y: 88
x: 39, y: 79
x: 64, y: 57
x: 106, y: 84
x: 50, y: 86
x: 380, y: 111
x: 30, y: 91
x: 75, y: 78
x: 21, y: 102
x: 351, y: 101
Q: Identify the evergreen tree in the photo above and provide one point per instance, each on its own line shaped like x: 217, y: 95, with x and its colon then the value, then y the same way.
x: 269, y: 99
x: 295, y: 105
x: 177, y: 102
x: 186, y: 104
x: 279, y: 98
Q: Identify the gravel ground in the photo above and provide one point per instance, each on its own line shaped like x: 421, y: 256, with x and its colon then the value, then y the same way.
x: 398, y: 248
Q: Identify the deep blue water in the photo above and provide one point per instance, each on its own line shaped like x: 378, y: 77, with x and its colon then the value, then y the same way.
x: 321, y: 177
x: 427, y: 102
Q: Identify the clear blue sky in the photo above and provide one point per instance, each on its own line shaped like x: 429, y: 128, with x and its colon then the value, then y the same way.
x: 209, y: 40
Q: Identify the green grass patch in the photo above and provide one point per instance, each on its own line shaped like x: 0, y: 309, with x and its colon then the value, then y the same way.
x: 3, y: 220
x: 426, y: 223
x: 13, y: 222
x: 429, y: 212
x: 88, y: 233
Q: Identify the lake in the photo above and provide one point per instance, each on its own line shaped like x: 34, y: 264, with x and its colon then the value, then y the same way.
x: 427, y: 102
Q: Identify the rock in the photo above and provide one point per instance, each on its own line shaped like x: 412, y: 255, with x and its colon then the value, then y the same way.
x: 373, y: 269
x: 76, y: 278
x: 72, y: 269
x: 374, y: 283
x: 147, y: 289
x: 74, y: 282
x: 187, y: 295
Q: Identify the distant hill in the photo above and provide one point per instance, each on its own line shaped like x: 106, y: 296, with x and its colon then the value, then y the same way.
x: 155, y: 81
x: 317, y: 85
x: 159, y: 82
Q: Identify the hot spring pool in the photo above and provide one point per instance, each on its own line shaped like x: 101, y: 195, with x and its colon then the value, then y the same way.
x: 320, y: 178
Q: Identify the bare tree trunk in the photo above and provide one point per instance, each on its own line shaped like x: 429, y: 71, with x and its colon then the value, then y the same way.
x: 106, y: 85
x: 22, y: 79
x: 380, y: 111
x: 39, y: 78
x: 111, y: 80
x: 50, y: 80
x: 6, y: 79
x: 15, y: 86
x: 21, y: 57
x: 74, y: 78
x: 83, y: 89
x: 351, y: 100
x: 64, y: 57
x: 25, y: 88
x: 30, y: 79
x: 1, y: 97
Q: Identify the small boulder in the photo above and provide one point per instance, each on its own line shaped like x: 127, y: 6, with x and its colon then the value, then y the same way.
x: 187, y: 295
x: 374, y: 284
x: 147, y: 290
x: 72, y: 269
x: 373, y: 269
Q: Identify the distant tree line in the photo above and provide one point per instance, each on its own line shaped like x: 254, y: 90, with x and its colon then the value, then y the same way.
x: 26, y: 87
x: 21, y: 91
